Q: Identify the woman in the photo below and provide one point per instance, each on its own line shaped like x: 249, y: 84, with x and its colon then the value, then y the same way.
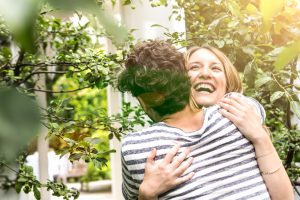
x: 212, y: 76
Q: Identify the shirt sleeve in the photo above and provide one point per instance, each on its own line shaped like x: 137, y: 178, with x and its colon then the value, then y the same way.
x: 129, y: 188
x: 258, y: 107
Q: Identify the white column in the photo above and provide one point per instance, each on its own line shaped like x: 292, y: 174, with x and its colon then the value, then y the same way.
x: 144, y: 16
x: 114, y: 106
x: 114, y: 100
x: 43, y: 145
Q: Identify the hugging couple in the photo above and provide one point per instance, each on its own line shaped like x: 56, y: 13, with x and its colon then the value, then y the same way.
x: 208, y: 140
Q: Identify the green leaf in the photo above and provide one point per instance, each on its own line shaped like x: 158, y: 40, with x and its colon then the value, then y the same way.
x: 18, y: 187
x: 261, y: 81
x: 219, y: 43
x: 276, y: 95
x: 26, y: 189
x: 297, y: 87
x: 295, y: 106
x: 287, y: 55
x: 269, y: 9
x: 160, y: 26
x: 17, y: 112
x: 251, y: 8
x: 102, y: 160
x: 69, y: 141
x: 20, y: 16
x: 37, y: 193
x: 216, y: 22
x: 232, y: 24
x: 22, y: 180
x: 64, y: 152
x: 250, y: 74
x: 109, y: 151
x: 249, y: 50
x: 234, y: 8
x: 75, y: 156
x: 126, y: 2
x: 97, y: 164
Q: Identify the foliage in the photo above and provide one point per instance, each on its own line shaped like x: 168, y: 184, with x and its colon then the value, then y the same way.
x: 263, y: 42
x: 94, y: 174
x: 27, y: 182
x: 69, y: 56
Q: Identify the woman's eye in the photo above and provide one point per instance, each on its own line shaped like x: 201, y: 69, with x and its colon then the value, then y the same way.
x: 216, y: 68
x: 193, y: 67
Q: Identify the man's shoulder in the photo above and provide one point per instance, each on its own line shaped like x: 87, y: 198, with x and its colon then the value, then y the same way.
x: 142, y: 133
x: 251, y: 101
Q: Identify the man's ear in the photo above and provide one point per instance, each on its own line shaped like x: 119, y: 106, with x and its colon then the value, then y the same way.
x: 152, y: 114
x: 152, y: 99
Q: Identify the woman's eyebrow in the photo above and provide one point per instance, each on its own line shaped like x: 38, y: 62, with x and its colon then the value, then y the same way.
x: 198, y: 62
x: 195, y: 62
x: 216, y: 63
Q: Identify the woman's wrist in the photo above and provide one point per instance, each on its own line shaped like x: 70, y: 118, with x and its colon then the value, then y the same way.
x: 263, y: 145
x: 261, y: 138
x: 145, y: 194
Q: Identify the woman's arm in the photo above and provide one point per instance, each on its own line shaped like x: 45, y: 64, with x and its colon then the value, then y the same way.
x: 163, y: 175
x: 248, y: 122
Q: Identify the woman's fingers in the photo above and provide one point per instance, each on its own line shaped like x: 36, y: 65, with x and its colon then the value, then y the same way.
x: 171, y: 154
x: 240, y: 100
x: 151, y: 157
x: 184, y: 178
x: 184, y: 165
x: 231, y: 104
x: 180, y: 158
x: 229, y: 115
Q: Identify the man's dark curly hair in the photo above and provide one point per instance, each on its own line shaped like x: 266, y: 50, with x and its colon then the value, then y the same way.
x: 155, y: 72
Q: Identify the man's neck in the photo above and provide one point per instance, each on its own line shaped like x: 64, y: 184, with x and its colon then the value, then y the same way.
x: 186, y: 119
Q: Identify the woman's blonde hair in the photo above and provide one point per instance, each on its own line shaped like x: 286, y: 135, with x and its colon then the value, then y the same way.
x: 233, y: 81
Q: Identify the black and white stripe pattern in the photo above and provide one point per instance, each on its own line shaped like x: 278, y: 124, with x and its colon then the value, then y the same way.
x: 224, y: 160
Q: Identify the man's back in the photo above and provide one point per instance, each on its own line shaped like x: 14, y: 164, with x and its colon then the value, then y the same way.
x: 224, y: 160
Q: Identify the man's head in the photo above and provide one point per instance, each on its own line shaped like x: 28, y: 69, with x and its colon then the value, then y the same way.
x: 155, y: 74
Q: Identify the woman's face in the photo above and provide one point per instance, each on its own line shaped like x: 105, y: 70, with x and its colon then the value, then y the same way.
x: 208, y: 77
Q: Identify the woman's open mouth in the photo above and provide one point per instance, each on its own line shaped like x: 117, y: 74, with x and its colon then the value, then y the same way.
x: 205, y: 87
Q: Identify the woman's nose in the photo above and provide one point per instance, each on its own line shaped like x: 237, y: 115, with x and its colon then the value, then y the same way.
x: 205, y: 72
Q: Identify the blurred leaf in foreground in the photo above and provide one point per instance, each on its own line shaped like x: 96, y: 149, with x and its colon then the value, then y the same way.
x: 19, y: 122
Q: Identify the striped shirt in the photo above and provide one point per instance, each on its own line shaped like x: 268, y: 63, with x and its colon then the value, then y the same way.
x: 224, y: 162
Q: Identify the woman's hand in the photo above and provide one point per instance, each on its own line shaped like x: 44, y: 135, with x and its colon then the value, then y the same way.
x: 161, y: 176
x: 243, y: 115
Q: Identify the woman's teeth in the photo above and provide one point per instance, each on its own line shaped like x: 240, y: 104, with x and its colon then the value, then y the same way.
x: 204, y: 87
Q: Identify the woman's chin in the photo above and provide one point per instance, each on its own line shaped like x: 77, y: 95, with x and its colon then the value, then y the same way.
x: 206, y: 99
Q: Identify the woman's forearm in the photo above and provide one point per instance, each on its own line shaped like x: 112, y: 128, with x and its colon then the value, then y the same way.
x: 272, y: 170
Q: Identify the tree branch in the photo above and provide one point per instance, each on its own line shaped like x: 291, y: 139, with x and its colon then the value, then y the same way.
x: 50, y: 64
x: 65, y: 91
x: 49, y: 72
x: 291, y: 150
